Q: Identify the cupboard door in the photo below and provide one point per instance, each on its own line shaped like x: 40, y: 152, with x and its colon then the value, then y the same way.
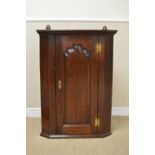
x: 76, y: 84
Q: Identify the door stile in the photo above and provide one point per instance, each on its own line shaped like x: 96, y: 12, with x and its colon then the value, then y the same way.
x: 59, y: 91
x: 94, y: 85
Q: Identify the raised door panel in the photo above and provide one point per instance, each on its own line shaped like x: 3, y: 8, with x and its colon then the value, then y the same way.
x: 76, y: 91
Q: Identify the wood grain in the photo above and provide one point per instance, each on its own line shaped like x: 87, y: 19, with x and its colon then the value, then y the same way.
x: 77, y: 75
x: 70, y: 57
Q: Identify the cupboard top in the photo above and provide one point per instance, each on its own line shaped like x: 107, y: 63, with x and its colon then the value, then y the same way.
x: 95, y: 32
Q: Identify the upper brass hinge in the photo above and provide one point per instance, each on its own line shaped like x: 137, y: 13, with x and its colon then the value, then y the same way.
x: 97, y: 122
x: 98, y: 48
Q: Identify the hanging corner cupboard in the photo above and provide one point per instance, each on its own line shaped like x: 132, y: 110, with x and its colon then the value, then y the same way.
x: 76, y: 82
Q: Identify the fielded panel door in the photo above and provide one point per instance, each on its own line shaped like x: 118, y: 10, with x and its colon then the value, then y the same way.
x: 76, y: 84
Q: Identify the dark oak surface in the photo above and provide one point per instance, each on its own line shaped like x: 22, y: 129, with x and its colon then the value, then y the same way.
x: 77, y: 71
x: 86, y: 82
x: 72, y: 32
x: 75, y: 136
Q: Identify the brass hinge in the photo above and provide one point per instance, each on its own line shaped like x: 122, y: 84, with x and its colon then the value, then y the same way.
x: 97, y: 122
x: 98, y: 48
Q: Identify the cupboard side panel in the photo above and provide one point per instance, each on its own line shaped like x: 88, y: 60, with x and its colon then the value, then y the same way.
x: 105, y: 83
x: 108, y: 82
x: 51, y: 83
x: 47, y: 77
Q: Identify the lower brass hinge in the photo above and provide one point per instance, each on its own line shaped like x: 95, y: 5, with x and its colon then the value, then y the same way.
x: 97, y: 122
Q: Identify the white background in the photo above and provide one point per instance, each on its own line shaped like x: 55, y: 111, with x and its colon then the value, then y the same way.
x: 115, y: 10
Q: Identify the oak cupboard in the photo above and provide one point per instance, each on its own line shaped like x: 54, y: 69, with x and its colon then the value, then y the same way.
x: 76, y: 82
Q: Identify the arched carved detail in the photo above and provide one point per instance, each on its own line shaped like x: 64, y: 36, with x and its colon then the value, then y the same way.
x: 76, y: 47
